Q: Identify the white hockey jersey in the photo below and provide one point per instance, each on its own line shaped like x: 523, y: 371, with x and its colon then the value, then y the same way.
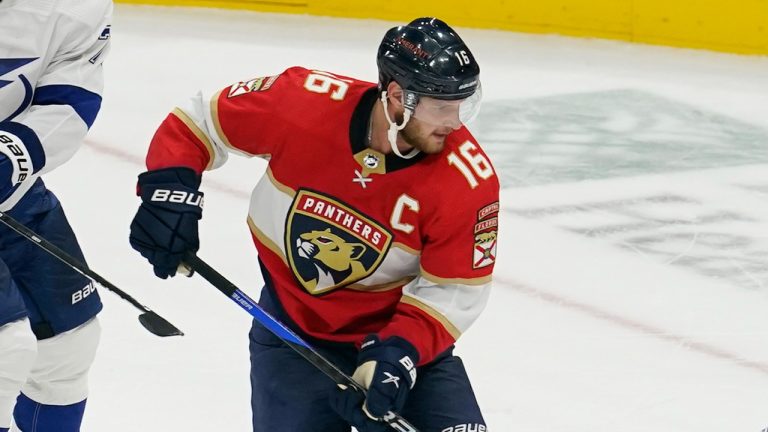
x: 51, y: 54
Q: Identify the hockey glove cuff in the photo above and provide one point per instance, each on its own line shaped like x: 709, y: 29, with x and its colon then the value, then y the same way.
x: 348, y: 403
x: 21, y: 155
x: 165, y: 226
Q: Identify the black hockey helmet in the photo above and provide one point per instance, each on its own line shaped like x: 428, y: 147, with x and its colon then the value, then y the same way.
x: 427, y: 57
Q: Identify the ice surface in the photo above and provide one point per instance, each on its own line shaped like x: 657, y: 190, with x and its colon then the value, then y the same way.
x: 632, y: 287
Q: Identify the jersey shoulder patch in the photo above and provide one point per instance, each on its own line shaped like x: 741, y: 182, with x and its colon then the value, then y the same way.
x: 485, y: 234
x: 252, y: 85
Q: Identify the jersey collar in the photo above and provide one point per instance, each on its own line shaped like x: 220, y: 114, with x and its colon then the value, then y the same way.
x: 370, y: 160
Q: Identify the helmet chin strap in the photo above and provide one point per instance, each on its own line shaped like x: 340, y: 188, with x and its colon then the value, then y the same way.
x: 394, y: 128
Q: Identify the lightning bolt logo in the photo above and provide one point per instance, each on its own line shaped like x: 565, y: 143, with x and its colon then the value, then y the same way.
x: 11, y: 64
x: 8, y: 65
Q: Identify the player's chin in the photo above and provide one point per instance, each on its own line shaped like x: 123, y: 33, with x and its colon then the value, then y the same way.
x: 436, y: 143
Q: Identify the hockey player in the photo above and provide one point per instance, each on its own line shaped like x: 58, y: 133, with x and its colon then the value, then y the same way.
x: 51, y: 55
x: 375, y: 225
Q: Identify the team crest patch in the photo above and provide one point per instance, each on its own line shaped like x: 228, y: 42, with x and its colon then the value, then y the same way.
x: 256, y: 84
x: 330, y: 244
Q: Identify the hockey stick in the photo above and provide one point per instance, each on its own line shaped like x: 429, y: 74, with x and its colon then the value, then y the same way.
x: 289, y: 337
x: 149, y: 319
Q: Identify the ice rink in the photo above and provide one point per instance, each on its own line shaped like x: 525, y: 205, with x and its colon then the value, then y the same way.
x: 631, y: 288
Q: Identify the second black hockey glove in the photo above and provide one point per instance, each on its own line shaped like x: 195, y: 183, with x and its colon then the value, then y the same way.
x: 21, y: 155
x: 6, y: 173
x: 387, y: 369
x: 165, y: 226
x: 348, y: 403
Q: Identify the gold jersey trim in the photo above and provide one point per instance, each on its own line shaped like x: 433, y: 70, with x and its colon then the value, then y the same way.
x: 406, y: 249
x: 279, y: 186
x: 429, y: 310
x: 381, y: 287
x: 266, y: 241
x: 214, y: 107
x: 455, y: 281
x: 195, y: 129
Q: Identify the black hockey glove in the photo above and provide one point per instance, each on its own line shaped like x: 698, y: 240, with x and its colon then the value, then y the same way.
x: 6, y: 172
x: 21, y: 155
x: 387, y: 369
x: 165, y: 226
x: 348, y: 403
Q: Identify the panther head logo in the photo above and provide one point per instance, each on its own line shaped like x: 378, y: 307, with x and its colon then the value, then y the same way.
x: 330, y: 245
x: 336, y: 260
x: 485, y: 237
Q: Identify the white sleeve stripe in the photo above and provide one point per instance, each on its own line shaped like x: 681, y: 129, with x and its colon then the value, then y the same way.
x: 480, y: 281
x: 458, y: 304
x: 442, y: 319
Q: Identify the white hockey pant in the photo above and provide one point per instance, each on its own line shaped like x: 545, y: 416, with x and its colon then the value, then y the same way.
x: 18, y: 348
x: 60, y: 365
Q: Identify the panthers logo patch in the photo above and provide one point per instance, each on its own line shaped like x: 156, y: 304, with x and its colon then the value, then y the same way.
x: 330, y: 244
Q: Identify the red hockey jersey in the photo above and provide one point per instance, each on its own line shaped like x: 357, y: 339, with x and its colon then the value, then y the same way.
x: 355, y: 241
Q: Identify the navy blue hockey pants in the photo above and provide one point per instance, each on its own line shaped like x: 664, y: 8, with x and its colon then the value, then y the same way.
x: 33, y: 283
x: 288, y: 394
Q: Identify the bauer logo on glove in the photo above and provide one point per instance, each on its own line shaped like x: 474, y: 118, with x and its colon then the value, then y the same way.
x: 179, y: 197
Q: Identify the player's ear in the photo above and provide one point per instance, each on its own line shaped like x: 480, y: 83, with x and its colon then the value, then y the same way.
x: 395, y: 94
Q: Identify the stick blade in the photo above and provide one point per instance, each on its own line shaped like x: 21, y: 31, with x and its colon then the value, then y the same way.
x: 158, y: 325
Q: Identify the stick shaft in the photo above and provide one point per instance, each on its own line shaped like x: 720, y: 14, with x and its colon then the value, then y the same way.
x: 287, y: 335
x: 151, y: 321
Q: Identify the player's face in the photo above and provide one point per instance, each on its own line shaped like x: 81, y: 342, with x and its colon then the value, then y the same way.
x: 428, y: 138
x: 431, y: 123
x: 439, y: 112
x: 432, y: 120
